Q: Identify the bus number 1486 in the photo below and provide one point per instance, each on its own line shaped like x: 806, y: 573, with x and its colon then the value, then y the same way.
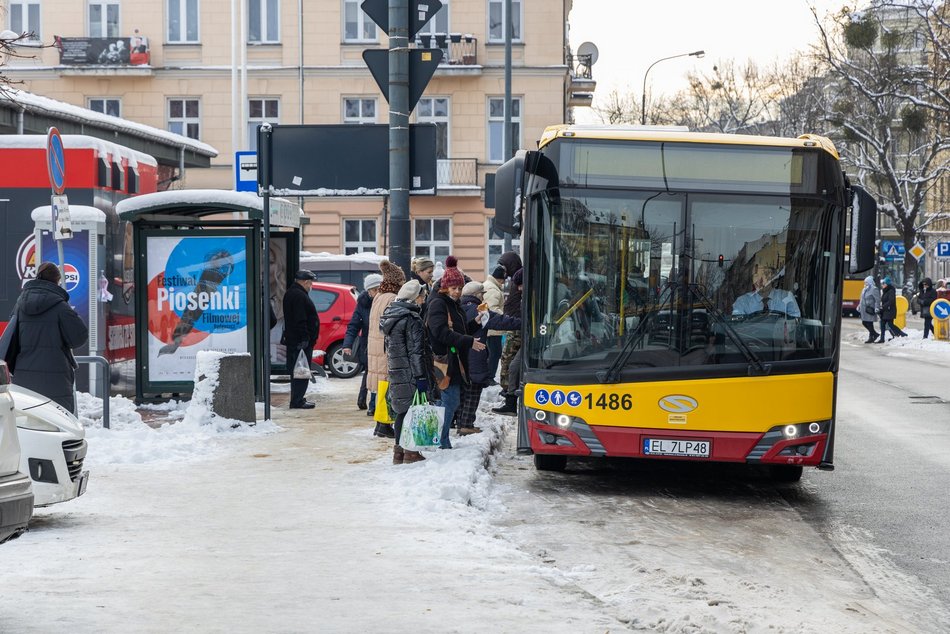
x: 610, y: 401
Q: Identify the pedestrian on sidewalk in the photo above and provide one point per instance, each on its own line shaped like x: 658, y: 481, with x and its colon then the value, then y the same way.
x: 513, y: 308
x: 480, y: 375
x: 357, y: 331
x: 868, y: 307
x: 925, y: 298
x: 393, y: 279
x: 889, y: 311
x: 450, y: 334
x: 48, y: 330
x: 409, y: 359
x: 495, y: 298
x: 301, y: 329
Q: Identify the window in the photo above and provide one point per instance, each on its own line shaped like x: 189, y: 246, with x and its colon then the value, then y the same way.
x: 184, y: 117
x: 439, y: 23
x: 496, y: 128
x: 359, y: 110
x: 322, y: 299
x: 436, y: 110
x: 432, y: 237
x: 263, y: 21
x: 103, y: 18
x: 357, y: 27
x: 496, y: 21
x: 496, y: 245
x: 25, y: 18
x: 106, y: 105
x: 259, y: 110
x: 183, y: 21
x: 359, y: 236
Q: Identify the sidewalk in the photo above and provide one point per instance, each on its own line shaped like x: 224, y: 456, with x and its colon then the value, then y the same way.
x: 310, y: 529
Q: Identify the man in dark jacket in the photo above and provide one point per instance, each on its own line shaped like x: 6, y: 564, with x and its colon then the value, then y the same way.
x: 357, y: 331
x: 48, y: 331
x: 301, y: 328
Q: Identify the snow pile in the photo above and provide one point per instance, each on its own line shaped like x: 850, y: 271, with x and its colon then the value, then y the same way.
x: 914, y: 341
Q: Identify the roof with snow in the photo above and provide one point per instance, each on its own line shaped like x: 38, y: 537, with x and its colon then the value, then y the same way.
x: 41, y: 113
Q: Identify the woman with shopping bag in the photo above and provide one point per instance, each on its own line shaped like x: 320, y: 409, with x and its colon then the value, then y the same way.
x: 409, y: 359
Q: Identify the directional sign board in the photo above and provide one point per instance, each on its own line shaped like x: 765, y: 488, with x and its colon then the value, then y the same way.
x: 422, y: 65
x: 940, y: 309
x: 943, y: 249
x: 892, y: 250
x: 56, y: 161
x: 62, y: 225
x: 245, y: 171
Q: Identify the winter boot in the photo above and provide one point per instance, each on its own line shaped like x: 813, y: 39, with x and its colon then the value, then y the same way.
x: 510, y: 406
x: 465, y: 431
x: 361, y: 402
x: 398, y: 455
x: 408, y: 457
x: 384, y: 431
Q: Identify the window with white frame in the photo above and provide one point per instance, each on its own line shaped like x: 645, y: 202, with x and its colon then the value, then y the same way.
x: 496, y: 245
x: 359, y: 110
x: 359, y: 235
x: 184, y: 117
x: 103, y: 18
x: 432, y: 237
x: 259, y: 110
x: 357, y: 26
x: 105, y: 105
x: 182, y: 21
x: 496, y: 21
x: 263, y: 21
x: 436, y: 110
x: 496, y: 128
x: 25, y: 18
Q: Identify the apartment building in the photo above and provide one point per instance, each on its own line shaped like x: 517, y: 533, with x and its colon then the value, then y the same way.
x: 172, y: 64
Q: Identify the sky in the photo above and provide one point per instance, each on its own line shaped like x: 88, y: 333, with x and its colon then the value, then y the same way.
x: 632, y: 34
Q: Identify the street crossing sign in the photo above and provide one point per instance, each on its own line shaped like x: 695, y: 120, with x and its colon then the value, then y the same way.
x: 892, y: 250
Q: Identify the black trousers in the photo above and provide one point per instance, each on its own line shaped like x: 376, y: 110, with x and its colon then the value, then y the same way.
x: 872, y: 333
x: 298, y: 387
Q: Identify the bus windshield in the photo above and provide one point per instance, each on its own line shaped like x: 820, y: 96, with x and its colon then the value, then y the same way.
x: 668, y: 279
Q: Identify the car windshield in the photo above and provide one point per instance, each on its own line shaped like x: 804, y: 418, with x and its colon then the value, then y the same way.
x: 660, y: 279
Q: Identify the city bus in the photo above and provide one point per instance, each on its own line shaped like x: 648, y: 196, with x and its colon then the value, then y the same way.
x: 682, y: 294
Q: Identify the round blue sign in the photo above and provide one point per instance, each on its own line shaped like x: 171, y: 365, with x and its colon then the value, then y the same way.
x: 541, y: 397
x: 558, y: 397
x: 56, y: 161
x: 574, y: 398
x: 940, y: 309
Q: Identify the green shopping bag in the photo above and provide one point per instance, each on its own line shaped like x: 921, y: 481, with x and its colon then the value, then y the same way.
x: 422, y: 427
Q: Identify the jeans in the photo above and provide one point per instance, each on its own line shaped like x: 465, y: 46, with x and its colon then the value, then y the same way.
x: 451, y: 396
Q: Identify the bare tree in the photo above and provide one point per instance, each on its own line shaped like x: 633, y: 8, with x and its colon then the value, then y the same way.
x: 619, y: 108
x: 891, y: 99
x: 794, y: 92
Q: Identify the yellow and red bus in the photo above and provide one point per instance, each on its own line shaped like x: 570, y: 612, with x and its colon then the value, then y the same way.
x: 682, y: 294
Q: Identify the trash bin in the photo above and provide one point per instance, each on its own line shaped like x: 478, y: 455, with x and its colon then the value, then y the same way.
x: 902, y: 307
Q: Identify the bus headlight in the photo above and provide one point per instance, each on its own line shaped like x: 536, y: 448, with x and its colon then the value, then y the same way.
x: 814, y: 428
x: 563, y: 421
x: 791, y: 431
x: 540, y: 415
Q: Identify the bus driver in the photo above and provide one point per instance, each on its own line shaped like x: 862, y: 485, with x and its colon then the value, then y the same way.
x: 765, y: 298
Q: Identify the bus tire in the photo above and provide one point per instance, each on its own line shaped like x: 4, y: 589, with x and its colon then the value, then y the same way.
x: 549, y: 463
x: 785, y: 472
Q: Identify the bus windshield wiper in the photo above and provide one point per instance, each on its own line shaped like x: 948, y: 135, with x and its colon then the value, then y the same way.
x: 612, y: 374
x: 755, y: 363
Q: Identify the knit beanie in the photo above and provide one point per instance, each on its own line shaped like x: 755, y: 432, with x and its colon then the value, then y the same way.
x: 452, y: 276
x: 372, y: 280
x: 409, y: 291
x: 499, y: 273
x: 473, y: 288
x: 393, y: 277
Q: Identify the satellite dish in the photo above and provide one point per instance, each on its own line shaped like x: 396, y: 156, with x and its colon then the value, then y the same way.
x: 588, y: 49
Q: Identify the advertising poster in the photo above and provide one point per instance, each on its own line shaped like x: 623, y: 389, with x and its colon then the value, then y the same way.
x: 75, y: 270
x: 278, y: 286
x: 197, y: 300
x: 103, y: 51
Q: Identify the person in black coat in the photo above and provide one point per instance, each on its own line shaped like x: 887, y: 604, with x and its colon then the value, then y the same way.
x: 925, y: 299
x: 480, y: 373
x: 889, y: 311
x: 409, y: 359
x: 301, y: 328
x: 357, y: 331
x: 48, y: 331
x: 451, y: 335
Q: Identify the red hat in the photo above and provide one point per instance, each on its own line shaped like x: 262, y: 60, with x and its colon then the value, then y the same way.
x: 452, y: 277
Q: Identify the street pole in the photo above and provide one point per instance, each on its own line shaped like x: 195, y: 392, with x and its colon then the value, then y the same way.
x: 507, y: 150
x: 264, y: 164
x: 399, y: 235
x: 643, y: 95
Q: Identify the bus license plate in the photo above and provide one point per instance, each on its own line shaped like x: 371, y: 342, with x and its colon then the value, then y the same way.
x: 669, y: 447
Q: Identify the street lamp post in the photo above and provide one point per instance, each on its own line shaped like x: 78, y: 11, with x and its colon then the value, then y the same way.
x: 643, y: 103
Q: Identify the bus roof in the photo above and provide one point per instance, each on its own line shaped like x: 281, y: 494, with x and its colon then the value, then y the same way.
x: 678, y: 134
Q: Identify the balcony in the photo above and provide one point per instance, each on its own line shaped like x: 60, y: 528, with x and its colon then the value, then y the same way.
x: 581, y: 86
x: 457, y: 174
x: 460, y: 52
x: 103, y: 55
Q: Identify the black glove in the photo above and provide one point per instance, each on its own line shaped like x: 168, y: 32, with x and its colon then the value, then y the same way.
x: 422, y: 386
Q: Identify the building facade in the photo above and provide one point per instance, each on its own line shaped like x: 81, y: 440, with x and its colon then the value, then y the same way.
x: 177, y: 65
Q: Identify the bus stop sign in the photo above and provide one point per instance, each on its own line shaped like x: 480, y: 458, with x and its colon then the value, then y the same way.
x: 56, y: 161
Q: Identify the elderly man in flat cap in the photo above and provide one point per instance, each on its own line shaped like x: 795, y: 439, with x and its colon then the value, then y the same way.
x: 301, y: 328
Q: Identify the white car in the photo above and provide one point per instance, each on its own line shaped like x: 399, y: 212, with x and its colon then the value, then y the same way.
x: 53, y: 447
x: 16, y: 496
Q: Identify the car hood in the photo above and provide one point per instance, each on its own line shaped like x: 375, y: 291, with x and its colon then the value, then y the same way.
x: 29, y: 403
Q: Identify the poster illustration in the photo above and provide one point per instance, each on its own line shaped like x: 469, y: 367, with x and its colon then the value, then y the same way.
x: 197, y: 300
x: 75, y: 268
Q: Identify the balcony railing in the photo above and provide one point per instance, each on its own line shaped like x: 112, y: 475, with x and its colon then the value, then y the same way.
x: 461, y: 172
x: 580, y: 65
x: 459, y: 49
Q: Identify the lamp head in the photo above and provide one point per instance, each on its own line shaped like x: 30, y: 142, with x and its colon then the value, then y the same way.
x: 698, y: 54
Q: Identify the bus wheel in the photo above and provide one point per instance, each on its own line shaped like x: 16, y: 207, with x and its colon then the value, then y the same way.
x: 549, y: 463
x: 785, y: 473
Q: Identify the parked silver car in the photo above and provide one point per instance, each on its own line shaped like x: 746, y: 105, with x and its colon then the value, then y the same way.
x: 16, y: 494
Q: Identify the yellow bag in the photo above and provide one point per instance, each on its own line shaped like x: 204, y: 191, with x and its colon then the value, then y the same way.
x: 382, y: 415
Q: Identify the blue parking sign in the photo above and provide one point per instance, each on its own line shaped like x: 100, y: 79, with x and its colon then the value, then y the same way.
x: 943, y: 249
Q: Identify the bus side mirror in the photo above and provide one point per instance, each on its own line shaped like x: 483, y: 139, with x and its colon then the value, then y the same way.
x: 863, y: 228
x: 509, y: 186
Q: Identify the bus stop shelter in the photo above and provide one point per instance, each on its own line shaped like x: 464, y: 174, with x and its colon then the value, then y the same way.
x: 199, y: 282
